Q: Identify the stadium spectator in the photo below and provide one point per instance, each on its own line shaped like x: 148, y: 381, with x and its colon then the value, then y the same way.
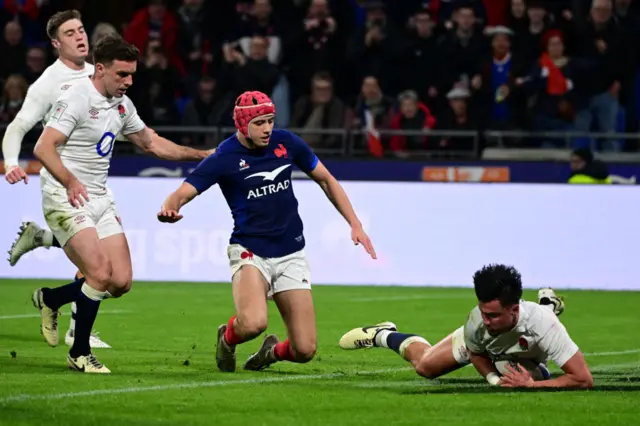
x: 456, y: 118
x: 447, y: 11
x: 528, y: 38
x: 195, y: 41
x: 36, y: 63
x: 376, y: 48
x: 13, y: 49
x: 555, y: 81
x: 261, y: 22
x: 101, y: 30
x: 155, y: 22
x: 602, y: 43
x: 254, y: 72
x: 314, y: 46
x: 497, y: 72
x: 517, y: 18
x: 15, y: 90
x: 462, y: 50
x: 413, y: 115
x: 423, y: 62
x: 158, y: 83
x: 320, y: 110
x: 203, y: 110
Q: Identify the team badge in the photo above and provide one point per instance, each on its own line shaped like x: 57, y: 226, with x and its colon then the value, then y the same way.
x: 122, y: 111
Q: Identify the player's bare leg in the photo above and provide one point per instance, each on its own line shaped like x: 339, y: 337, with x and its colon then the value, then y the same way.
x: 429, y: 361
x: 87, y: 252
x: 249, y: 296
x: 30, y: 237
x: 297, y: 311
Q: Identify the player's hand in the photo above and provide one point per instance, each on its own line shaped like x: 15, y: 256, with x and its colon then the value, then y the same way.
x: 77, y: 194
x: 15, y: 174
x: 517, y: 377
x: 169, y: 215
x: 358, y: 236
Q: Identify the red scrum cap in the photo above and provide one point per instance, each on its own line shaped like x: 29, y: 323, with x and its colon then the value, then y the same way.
x: 249, y: 106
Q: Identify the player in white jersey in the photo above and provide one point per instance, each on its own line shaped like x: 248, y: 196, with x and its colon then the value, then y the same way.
x: 66, y: 31
x: 507, y: 339
x: 75, y: 149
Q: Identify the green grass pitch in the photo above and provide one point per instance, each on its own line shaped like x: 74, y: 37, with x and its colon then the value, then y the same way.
x: 163, y: 338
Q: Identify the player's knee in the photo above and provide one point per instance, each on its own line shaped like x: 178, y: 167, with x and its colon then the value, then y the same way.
x: 100, y: 276
x: 119, y: 288
x: 304, y: 351
x: 426, y: 370
x: 252, y: 326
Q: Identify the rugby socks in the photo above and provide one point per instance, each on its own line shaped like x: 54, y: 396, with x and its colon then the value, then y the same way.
x: 399, y: 342
x: 230, y: 336
x: 54, y: 298
x: 282, y: 352
x: 72, y: 322
x: 54, y: 241
x: 88, y: 303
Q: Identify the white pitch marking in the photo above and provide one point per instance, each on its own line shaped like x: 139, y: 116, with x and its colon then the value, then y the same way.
x: 415, y: 297
x: 192, y: 385
x: 8, y: 317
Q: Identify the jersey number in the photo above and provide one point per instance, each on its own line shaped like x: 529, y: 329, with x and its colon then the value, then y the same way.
x: 110, y: 137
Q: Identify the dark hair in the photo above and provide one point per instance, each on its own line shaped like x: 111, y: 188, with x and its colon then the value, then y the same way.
x: 55, y: 22
x: 322, y: 76
x: 497, y: 281
x: 114, y: 48
x: 584, y: 153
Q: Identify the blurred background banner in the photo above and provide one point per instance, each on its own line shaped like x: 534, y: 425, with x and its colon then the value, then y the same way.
x: 426, y: 234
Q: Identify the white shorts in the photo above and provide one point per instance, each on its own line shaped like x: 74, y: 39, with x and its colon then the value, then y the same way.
x: 285, y: 273
x: 65, y: 221
x: 459, y: 348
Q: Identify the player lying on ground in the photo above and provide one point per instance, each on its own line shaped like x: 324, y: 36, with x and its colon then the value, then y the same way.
x: 69, y: 39
x: 266, y: 256
x: 507, y: 339
x: 75, y: 149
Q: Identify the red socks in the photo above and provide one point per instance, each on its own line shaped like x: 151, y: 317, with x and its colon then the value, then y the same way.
x: 282, y: 351
x: 230, y: 335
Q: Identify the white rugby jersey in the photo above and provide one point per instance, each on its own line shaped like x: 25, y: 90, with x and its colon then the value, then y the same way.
x: 41, y: 96
x: 91, y: 122
x: 539, y: 336
x: 46, y: 90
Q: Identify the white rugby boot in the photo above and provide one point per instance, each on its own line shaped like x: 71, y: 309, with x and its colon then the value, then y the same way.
x: 49, y: 323
x: 30, y: 237
x: 546, y: 296
x: 363, y: 337
x: 87, y: 364
x: 95, y: 342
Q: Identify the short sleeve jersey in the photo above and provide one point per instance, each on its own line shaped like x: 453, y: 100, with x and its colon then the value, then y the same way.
x: 539, y: 336
x: 90, y: 121
x: 256, y: 184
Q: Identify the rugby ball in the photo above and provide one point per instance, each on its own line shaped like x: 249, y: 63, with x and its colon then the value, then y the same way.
x: 538, y: 371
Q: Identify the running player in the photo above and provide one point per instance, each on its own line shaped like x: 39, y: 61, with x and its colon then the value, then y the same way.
x: 508, y: 340
x: 77, y: 204
x: 266, y: 256
x: 68, y: 37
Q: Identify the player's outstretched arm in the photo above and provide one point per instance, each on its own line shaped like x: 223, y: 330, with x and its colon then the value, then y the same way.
x: 336, y: 194
x: 33, y: 110
x: 577, y: 375
x: 45, y: 151
x: 170, y: 210
x: 485, y: 367
x: 150, y: 142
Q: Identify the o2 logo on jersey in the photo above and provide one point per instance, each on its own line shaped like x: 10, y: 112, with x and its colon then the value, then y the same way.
x: 105, y: 144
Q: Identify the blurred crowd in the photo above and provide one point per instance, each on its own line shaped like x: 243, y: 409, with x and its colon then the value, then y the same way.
x: 403, y: 65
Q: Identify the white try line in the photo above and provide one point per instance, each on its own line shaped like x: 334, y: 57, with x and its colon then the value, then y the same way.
x: 8, y: 317
x: 218, y: 383
x: 630, y: 351
x: 192, y: 385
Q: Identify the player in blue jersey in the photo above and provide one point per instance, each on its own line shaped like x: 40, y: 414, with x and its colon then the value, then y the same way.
x: 266, y: 256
